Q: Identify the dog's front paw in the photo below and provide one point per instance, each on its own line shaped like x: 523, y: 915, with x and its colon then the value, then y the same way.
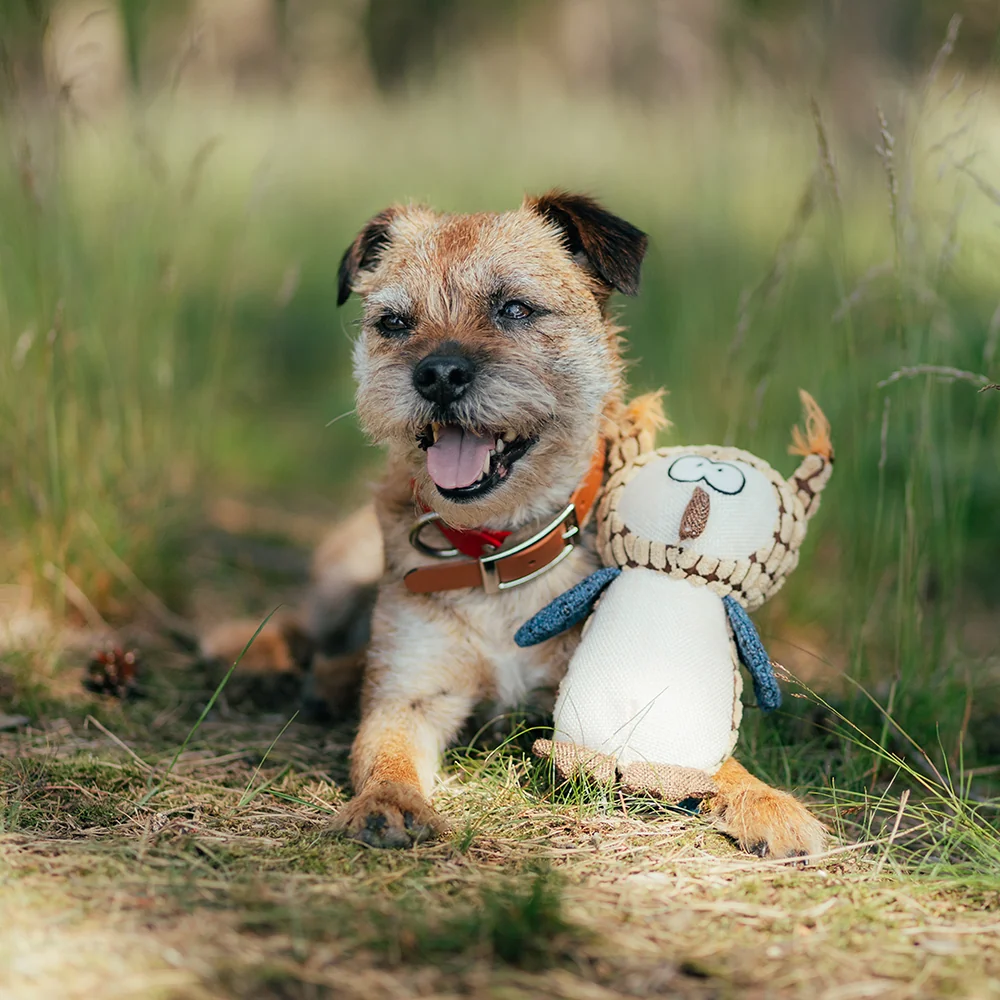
x: 767, y: 822
x: 388, y: 814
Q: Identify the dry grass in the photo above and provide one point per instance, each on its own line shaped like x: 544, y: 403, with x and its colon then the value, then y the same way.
x: 124, y: 878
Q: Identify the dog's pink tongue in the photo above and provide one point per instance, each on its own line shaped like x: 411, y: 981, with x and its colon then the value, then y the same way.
x: 457, y: 459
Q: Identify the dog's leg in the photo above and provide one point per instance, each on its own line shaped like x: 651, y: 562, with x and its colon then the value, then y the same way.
x: 331, y: 687
x: 346, y: 567
x: 395, y: 756
x: 421, y: 686
x: 763, y: 820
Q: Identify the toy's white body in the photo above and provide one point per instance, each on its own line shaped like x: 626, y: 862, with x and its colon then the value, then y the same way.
x: 655, y: 677
x: 701, y: 536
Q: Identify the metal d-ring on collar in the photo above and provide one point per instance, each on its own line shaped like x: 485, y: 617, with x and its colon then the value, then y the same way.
x: 420, y: 545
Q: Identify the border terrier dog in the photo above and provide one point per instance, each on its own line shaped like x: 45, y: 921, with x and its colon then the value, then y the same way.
x: 490, y: 368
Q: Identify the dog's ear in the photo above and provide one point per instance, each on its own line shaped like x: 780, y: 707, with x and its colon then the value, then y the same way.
x: 612, y: 247
x: 363, y: 254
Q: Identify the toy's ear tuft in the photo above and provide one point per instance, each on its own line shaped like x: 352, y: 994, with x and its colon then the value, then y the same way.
x: 645, y: 413
x: 363, y: 254
x: 612, y: 247
x: 816, y: 439
x: 813, y: 473
x: 631, y: 430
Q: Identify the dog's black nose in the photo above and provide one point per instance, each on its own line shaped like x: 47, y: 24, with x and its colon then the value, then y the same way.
x: 442, y: 377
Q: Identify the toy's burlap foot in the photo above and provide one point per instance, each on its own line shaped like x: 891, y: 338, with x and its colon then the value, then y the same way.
x: 666, y: 781
x: 572, y: 761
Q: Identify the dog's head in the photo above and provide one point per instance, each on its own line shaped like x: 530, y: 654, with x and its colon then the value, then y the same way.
x: 486, y: 356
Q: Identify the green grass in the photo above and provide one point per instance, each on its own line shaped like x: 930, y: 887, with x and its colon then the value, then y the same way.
x: 517, y: 921
x: 168, y: 337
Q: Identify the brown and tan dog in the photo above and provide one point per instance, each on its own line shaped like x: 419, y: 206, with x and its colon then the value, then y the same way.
x: 488, y: 365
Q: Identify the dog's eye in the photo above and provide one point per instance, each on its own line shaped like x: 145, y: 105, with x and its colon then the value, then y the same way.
x: 392, y: 324
x: 515, y: 310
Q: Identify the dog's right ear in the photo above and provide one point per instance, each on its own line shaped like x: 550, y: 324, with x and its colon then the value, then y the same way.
x: 363, y: 254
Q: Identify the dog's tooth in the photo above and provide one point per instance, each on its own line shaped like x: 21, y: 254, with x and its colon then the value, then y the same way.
x: 499, y: 446
x: 486, y: 464
x: 509, y: 436
x: 435, y: 431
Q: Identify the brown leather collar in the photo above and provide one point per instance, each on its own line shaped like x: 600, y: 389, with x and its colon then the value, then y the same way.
x: 506, y: 568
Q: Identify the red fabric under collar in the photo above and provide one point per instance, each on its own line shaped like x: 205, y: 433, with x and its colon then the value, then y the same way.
x: 472, y: 542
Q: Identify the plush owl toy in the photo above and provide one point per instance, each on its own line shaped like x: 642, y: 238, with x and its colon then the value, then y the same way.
x: 692, y: 538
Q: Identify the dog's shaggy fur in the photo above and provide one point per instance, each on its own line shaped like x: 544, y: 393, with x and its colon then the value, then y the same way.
x: 521, y: 299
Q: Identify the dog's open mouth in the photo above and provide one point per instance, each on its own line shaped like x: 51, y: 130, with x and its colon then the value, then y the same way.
x: 465, y: 465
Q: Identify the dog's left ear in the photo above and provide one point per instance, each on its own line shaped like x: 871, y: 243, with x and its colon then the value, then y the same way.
x: 612, y: 247
x: 363, y: 254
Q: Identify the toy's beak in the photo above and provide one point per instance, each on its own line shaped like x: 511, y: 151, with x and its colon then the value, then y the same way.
x: 695, y: 514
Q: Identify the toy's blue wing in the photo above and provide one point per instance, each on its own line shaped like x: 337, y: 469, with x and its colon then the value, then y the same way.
x: 753, y: 655
x: 566, y: 610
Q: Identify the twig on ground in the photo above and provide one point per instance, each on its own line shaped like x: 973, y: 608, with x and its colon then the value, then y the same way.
x: 903, y: 799
x: 977, y: 929
x: 90, y: 720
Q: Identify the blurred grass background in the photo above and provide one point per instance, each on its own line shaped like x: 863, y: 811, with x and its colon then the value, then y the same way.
x: 178, y: 181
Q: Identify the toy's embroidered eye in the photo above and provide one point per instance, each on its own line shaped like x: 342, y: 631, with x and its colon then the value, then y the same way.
x: 689, y: 469
x: 725, y: 478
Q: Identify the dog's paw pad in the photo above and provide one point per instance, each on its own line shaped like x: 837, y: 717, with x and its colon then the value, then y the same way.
x: 388, y: 815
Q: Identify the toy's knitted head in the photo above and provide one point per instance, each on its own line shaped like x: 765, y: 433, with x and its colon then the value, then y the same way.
x: 718, y: 517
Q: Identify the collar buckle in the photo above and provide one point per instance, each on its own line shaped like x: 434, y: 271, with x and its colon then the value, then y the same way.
x: 489, y: 566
